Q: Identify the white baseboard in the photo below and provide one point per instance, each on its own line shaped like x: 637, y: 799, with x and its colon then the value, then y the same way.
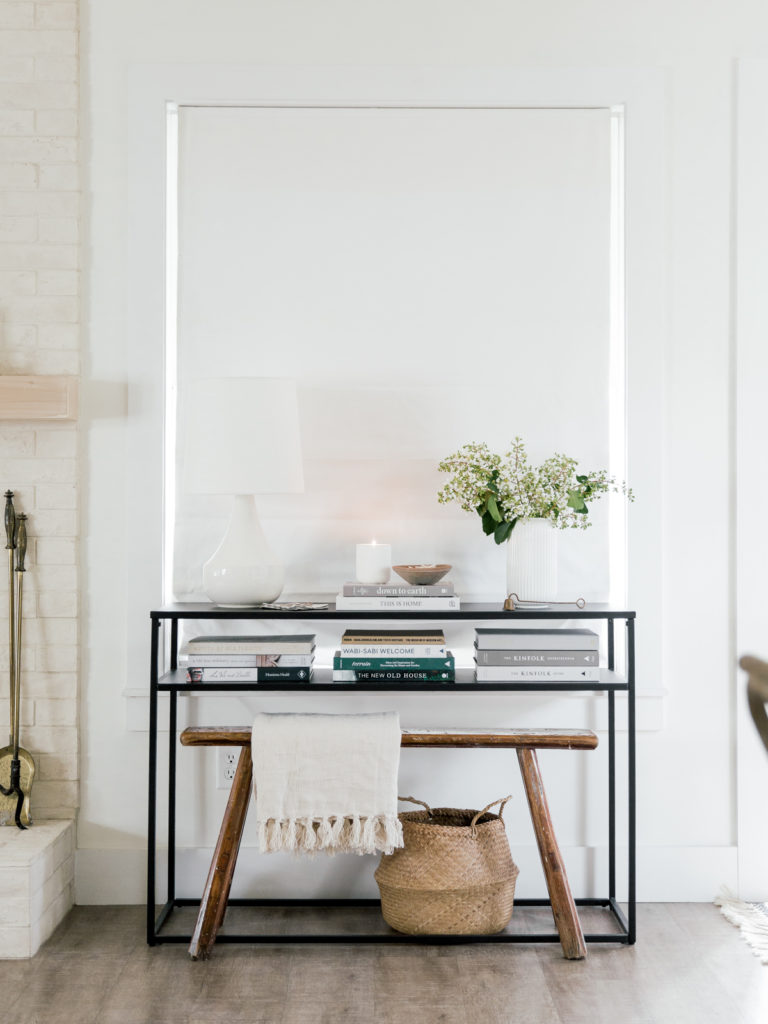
x: 664, y: 874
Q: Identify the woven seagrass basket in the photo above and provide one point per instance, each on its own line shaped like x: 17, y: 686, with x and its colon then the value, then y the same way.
x: 454, y: 875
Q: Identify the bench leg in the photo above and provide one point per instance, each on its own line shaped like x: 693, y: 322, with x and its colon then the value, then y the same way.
x: 563, y: 906
x: 213, y: 905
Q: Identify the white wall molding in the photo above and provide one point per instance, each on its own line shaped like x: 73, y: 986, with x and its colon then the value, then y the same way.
x: 127, y: 313
x: 751, y: 482
x: 641, y: 94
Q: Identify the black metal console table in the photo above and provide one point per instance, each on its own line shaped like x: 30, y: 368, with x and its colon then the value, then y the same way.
x: 174, y: 682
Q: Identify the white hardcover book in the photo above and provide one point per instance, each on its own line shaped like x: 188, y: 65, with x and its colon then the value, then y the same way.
x: 283, y: 644
x: 507, y: 674
x: 400, y: 604
x: 392, y: 651
x: 246, y: 660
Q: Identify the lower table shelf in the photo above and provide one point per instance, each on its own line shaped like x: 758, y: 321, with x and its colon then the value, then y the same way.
x: 263, y: 921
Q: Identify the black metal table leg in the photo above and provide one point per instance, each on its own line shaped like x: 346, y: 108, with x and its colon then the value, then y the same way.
x: 611, y: 770
x: 631, y: 796
x: 152, y: 798
x: 172, y: 796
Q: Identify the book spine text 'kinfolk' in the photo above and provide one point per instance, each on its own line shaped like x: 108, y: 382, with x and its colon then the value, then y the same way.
x: 507, y: 674
x: 546, y: 659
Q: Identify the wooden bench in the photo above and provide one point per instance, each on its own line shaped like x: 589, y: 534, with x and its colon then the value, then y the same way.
x: 526, y: 741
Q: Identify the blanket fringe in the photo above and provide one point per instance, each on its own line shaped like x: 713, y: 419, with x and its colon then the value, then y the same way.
x: 749, y: 918
x: 380, y: 833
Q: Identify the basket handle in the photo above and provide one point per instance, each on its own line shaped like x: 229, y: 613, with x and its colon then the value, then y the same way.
x: 413, y: 800
x: 501, y: 800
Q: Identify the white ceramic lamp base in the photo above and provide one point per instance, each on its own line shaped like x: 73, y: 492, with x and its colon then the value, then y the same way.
x: 243, y: 570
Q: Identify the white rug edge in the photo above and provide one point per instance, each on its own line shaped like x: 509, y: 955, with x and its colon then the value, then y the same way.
x: 749, y: 919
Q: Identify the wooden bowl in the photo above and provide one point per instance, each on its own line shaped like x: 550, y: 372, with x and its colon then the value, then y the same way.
x: 421, y: 575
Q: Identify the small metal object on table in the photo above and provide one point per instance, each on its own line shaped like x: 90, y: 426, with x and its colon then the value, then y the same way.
x: 173, y: 683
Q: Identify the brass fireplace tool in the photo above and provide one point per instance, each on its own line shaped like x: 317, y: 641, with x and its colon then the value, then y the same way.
x: 16, y: 764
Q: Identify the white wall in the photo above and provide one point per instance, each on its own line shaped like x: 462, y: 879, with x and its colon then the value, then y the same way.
x: 438, y: 276
x: 687, y: 806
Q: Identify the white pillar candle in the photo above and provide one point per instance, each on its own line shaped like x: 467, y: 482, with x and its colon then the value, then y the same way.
x: 373, y: 562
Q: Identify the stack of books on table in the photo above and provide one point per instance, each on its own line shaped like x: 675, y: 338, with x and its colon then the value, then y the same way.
x: 536, y: 655
x: 373, y: 597
x: 392, y: 656
x: 250, y: 659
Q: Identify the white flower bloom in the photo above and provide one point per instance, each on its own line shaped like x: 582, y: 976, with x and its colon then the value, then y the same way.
x: 503, y: 489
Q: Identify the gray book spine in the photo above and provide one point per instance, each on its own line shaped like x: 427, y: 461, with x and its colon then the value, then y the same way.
x: 536, y: 639
x: 393, y: 590
x: 533, y: 658
x: 521, y: 674
x: 247, y: 660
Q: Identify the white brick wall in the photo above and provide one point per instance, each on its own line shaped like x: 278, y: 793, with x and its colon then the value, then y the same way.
x: 39, y: 334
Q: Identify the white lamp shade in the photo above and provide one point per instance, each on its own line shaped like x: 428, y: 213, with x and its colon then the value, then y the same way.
x: 242, y: 437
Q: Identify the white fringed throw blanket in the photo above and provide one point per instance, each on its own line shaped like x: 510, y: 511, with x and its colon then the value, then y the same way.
x: 327, y: 783
x: 750, y: 917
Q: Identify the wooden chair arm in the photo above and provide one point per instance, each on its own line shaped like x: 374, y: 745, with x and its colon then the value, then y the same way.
x: 757, y: 693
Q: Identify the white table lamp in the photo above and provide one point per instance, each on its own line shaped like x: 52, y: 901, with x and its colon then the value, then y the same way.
x: 242, y: 438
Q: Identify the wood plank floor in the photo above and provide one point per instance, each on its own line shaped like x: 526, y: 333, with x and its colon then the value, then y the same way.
x: 689, y: 967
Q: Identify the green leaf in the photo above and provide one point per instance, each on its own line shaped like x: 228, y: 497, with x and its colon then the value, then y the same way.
x: 576, y: 502
x: 502, y: 532
x: 493, y: 508
x: 489, y: 523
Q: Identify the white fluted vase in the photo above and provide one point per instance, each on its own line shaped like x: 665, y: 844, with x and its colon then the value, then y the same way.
x: 532, y: 560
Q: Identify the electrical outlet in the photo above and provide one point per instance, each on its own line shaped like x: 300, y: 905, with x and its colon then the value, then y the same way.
x: 225, y: 766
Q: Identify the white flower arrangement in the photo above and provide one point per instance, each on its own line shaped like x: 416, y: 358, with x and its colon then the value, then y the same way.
x: 505, y: 489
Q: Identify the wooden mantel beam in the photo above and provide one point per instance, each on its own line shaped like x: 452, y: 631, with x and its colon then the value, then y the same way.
x: 38, y: 397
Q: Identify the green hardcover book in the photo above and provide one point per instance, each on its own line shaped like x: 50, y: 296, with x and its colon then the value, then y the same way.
x: 383, y: 675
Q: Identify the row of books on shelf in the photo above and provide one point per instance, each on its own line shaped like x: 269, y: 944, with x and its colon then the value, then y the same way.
x: 397, y: 655
x: 250, y: 659
x: 517, y: 655
x: 419, y: 655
